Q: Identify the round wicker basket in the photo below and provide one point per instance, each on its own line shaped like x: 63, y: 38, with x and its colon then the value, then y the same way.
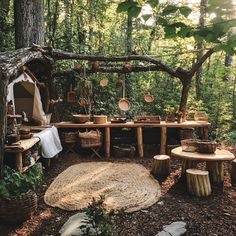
x: 18, y: 209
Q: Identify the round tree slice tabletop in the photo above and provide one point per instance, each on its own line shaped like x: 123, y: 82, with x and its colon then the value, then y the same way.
x: 219, y: 155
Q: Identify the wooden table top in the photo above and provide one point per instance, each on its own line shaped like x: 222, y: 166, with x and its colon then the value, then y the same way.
x: 219, y: 155
x: 186, y: 124
x: 22, y: 145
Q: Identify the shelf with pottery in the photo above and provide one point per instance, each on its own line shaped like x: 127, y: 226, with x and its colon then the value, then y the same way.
x: 19, y: 148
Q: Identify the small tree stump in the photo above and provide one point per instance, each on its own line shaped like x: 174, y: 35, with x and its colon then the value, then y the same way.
x: 233, y: 172
x: 160, y: 165
x: 198, y: 182
x: 187, y: 164
x: 216, y: 173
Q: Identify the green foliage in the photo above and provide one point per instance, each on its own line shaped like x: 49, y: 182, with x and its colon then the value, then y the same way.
x: 229, y: 138
x: 129, y: 6
x: 14, y: 183
x: 100, y: 219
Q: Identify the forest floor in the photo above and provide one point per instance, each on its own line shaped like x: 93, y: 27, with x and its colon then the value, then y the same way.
x: 208, y: 216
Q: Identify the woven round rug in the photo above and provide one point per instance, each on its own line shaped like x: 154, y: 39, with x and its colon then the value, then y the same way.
x: 126, y: 186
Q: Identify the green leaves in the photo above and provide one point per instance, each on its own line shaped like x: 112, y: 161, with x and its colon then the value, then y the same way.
x: 170, y: 9
x: 153, y: 3
x: 129, y: 6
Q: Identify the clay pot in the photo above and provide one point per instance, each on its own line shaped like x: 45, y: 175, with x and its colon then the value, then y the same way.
x: 127, y: 68
x: 104, y: 82
x: 119, y: 83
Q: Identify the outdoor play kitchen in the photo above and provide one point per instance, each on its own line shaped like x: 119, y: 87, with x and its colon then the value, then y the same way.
x: 98, y: 125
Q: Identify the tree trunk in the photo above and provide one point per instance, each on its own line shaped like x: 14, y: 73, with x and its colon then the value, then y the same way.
x: 184, y: 96
x: 3, y: 92
x: 4, y: 10
x: 68, y: 26
x: 29, y: 22
x: 200, y: 46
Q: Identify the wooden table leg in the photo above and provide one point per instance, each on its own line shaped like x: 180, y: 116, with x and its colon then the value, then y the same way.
x: 163, y: 140
x: 107, y: 142
x: 216, y: 172
x: 19, y: 161
x: 205, y: 133
x: 140, y: 141
x: 187, y: 164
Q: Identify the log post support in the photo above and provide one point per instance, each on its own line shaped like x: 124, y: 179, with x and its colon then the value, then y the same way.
x: 233, y: 173
x: 187, y: 164
x: 163, y: 140
x: 160, y: 165
x: 107, y: 142
x: 140, y: 141
x: 216, y: 173
x: 205, y: 133
x: 198, y: 182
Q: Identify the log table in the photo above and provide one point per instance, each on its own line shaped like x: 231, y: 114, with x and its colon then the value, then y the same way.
x: 138, y: 126
x: 214, y: 162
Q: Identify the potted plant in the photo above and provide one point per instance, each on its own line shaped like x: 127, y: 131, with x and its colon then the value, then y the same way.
x: 18, y: 199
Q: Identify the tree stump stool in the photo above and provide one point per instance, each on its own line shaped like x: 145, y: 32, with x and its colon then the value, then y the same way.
x: 198, y: 182
x: 216, y: 173
x: 233, y: 172
x: 160, y: 165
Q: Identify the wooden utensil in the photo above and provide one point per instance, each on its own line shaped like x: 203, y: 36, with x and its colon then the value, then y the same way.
x: 71, y: 95
x: 123, y: 103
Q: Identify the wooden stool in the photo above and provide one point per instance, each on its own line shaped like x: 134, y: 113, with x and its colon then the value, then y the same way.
x: 160, y: 165
x: 233, y: 172
x: 198, y: 182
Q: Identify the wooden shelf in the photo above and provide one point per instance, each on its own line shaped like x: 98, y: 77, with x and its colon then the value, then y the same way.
x: 27, y: 167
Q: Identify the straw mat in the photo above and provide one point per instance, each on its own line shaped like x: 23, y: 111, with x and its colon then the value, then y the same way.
x: 126, y: 186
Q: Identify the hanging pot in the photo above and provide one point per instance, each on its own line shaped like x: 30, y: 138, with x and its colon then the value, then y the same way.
x: 104, y: 82
x: 71, y: 95
x: 124, y: 104
x: 148, y: 98
x: 83, y: 102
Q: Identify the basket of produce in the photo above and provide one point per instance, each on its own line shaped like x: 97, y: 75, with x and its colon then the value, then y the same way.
x: 206, y: 146
x: 80, y: 118
x: 93, y: 138
x: 189, y: 145
x: 147, y: 119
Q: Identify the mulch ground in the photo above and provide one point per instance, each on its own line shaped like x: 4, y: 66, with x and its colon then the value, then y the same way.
x: 210, y: 216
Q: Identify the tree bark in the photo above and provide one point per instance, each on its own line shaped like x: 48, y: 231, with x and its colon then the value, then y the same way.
x: 203, y: 5
x: 184, y: 96
x: 29, y: 22
x: 3, y: 115
x: 4, y: 10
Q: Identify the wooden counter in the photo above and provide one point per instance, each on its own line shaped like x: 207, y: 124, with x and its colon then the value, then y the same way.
x: 163, y: 126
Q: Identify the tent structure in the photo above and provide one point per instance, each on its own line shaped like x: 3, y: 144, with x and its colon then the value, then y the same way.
x: 25, y: 96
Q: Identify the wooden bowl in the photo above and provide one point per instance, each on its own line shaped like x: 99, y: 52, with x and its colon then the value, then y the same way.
x: 99, y: 119
x: 189, y: 145
x: 124, y: 104
x: 148, y: 98
x: 80, y: 118
x: 206, y: 146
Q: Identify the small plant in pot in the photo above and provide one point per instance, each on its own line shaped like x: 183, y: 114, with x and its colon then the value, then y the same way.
x: 18, y: 199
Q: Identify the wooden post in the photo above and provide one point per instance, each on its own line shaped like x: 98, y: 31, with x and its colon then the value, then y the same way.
x: 140, y: 141
x: 198, y: 182
x: 205, y: 132
x: 160, y: 165
x: 216, y: 173
x: 233, y: 172
x: 163, y: 140
x: 187, y: 164
x: 107, y: 142
x: 19, y: 161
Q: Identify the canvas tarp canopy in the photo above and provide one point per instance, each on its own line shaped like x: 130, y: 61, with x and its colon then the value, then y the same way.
x: 25, y: 96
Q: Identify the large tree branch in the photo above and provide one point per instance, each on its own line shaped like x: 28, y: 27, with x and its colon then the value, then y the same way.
x: 108, y: 69
x: 61, y: 55
x: 199, y: 63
